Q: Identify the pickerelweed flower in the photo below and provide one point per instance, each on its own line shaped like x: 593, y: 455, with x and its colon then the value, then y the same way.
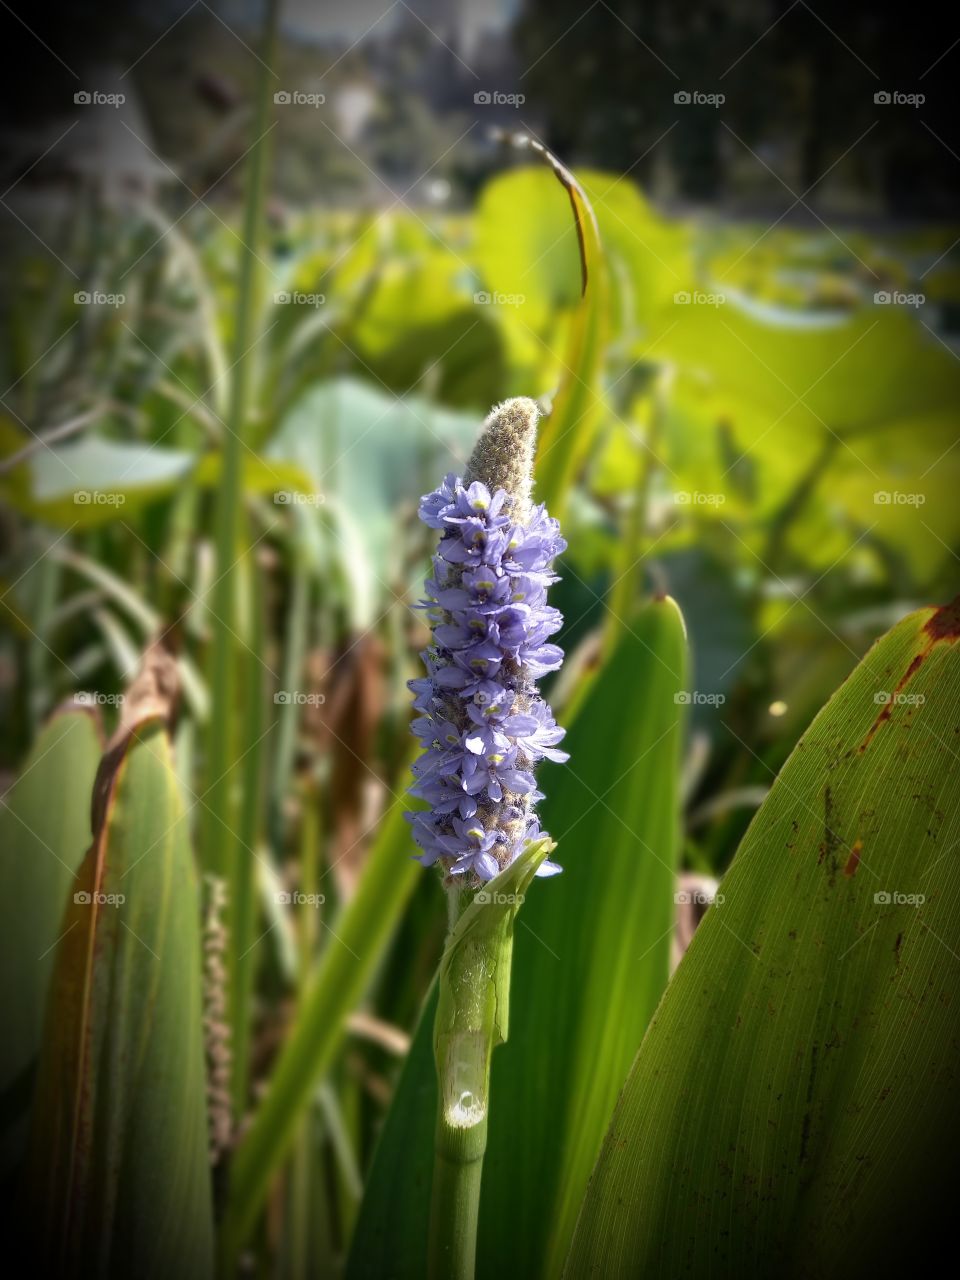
x: 483, y: 725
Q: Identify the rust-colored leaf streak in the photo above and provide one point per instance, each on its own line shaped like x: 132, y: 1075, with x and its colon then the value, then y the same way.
x: 943, y: 626
x: 854, y: 860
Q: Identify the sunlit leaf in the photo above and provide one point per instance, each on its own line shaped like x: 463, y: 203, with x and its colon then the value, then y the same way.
x: 791, y: 1110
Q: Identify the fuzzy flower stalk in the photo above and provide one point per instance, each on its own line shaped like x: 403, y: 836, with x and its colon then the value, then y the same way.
x: 484, y: 727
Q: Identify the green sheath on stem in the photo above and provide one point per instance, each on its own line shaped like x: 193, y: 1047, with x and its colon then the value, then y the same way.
x: 472, y: 1016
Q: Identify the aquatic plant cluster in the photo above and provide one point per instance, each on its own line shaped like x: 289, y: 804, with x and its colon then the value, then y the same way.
x: 483, y: 724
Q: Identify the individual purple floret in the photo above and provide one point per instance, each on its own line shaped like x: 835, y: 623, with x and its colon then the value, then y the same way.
x: 483, y: 724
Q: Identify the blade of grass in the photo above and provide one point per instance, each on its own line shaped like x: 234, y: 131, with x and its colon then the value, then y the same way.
x: 254, y: 683
x: 220, y: 850
x: 356, y: 943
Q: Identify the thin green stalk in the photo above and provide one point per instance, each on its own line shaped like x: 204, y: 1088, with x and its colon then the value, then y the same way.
x: 455, y: 1201
x: 472, y: 1016
x: 467, y: 1029
x: 220, y: 848
x: 288, y: 714
x: 358, y: 939
x: 250, y: 815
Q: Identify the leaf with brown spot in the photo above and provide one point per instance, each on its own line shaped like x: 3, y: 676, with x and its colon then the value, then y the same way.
x: 792, y: 1110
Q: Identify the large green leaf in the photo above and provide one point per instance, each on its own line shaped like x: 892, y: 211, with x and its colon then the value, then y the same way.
x: 792, y: 1110
x: 879, y: 366
x: 96, y: 480
x: 526, y: 247
x: 118, y: 1176
x: 41, y: 846
x: 369, y: 453
x: 590, y: 961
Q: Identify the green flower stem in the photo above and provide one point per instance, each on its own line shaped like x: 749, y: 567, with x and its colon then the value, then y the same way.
x: 471, y: 1021
x: 455, y: 1203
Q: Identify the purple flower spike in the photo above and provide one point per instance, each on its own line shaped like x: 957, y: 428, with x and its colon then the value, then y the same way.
x: 482, y: 723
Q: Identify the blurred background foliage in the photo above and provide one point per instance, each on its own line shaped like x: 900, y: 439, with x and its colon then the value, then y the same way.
x: 740, y: 423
